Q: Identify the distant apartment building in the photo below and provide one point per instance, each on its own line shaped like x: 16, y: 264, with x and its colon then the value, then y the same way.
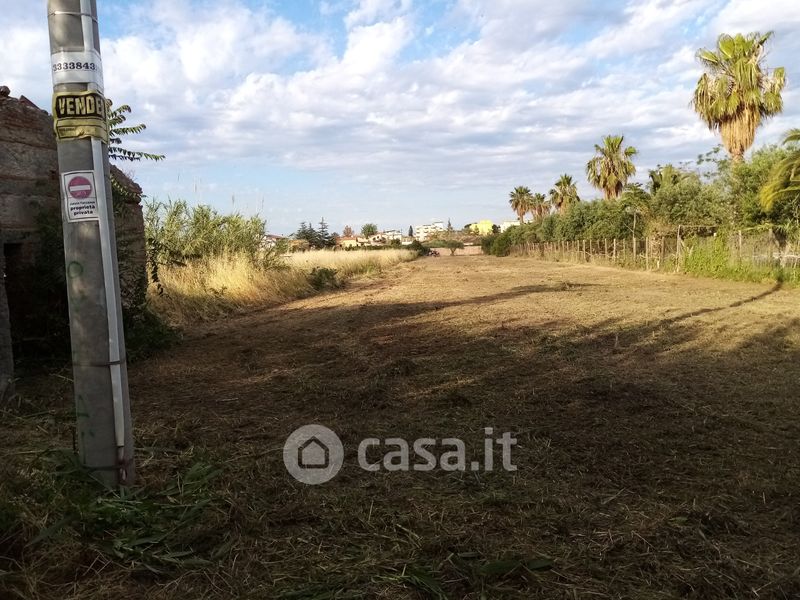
x: 424, y: 232
x: 483, y: 227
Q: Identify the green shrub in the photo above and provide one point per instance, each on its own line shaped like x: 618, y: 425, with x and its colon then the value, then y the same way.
x: 417, y: 247
x: 177, y: 232
x: 502, y: 245
x: 451, y: 245
x: 487, y: 241
x: 714, y: 257
x: 322, y: 278
x: 146, y: 332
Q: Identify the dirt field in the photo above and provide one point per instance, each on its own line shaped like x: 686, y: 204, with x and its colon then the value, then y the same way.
x: 657, y: 418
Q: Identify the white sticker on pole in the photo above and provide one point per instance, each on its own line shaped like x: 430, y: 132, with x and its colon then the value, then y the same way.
x: 77, y: 67
x: 81, y: 196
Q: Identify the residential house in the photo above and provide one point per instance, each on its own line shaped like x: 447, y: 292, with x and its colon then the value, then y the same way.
x: 393, y: 234
x: 348, y: 242
x: 378, y: 239
x: 270, y: 241
x: 356, y: 242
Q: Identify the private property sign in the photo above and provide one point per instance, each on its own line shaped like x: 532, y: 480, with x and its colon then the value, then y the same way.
x: 80, y: 196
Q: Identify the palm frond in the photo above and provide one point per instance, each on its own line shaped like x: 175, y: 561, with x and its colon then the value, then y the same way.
x: 737, y: 92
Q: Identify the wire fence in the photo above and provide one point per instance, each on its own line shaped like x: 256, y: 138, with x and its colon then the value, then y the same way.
x: 759, y: 253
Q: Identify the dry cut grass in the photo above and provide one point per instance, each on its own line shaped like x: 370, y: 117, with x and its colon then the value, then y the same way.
x: 213, y: 287
x: 656, y: 416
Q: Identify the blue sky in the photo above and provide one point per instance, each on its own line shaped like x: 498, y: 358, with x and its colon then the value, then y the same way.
x: 399, y: 112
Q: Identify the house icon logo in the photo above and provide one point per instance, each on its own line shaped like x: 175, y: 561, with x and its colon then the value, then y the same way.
x: 313, y: 454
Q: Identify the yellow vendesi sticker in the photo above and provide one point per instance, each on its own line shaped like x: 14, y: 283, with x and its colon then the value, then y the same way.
x: 80, y: 115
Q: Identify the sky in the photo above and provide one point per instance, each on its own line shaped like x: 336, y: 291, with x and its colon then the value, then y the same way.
x: 399, y: 112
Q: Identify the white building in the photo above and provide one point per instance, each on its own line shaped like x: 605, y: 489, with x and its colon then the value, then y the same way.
x: 423, y: 232
x: 508, y: 225
x: 393, y: 234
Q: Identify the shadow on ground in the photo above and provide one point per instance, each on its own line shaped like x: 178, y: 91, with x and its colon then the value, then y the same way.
x: 657, y: 457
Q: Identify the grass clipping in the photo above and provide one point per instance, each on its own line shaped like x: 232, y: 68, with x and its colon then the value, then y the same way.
x: 212, y: 287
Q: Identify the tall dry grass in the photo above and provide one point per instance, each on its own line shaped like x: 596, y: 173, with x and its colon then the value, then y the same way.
x: 350, y: 263
x: 213, y: 287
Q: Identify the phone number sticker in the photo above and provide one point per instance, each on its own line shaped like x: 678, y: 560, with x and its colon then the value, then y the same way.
x: 77, y: 67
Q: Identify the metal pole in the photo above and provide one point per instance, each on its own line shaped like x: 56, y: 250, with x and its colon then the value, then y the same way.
x: 103, y: 432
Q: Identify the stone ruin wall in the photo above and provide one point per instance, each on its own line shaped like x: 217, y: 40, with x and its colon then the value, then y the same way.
x: 29, y: 196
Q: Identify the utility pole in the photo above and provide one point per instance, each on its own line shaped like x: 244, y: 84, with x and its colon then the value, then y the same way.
x: 103, y: 433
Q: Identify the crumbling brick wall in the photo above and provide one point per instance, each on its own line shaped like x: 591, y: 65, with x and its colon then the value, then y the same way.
x: 6, y: 356
x: 131, y: 251
x: 30, y: 211
x: 28, y: 167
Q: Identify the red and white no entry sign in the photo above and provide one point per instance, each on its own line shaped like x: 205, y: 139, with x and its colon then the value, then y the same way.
x: 80, y: 187
x: 80, y: 195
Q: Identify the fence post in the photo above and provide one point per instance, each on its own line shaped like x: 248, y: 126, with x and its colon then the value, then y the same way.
x: 739, y: 253
x: 647, y: 253
x: 615, y: 250
x: 679, y: 243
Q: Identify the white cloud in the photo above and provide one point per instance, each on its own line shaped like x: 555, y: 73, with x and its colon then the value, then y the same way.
x: 742, y: 16
x: 372, y: 48
x: 25, y: 53
x: 521, y: 97
x: 368, y: 12
x: 518, y: 23
x: 650, y: 24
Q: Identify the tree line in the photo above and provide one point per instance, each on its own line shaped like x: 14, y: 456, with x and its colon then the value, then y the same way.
x: 735, y: 94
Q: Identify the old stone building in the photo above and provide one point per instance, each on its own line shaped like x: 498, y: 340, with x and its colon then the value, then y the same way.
x: 31, y: 291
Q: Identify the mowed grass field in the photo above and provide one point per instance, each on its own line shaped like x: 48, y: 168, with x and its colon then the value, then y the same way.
x: 657, y: 418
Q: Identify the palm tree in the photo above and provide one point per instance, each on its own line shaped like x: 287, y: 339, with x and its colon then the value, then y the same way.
x: 564, y: 193
x: 520, y: 200
x: 737, y: 91
x: 666, y: 175
x: 611, y: 166
x: 538, y: 205
x: 783, y: 185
